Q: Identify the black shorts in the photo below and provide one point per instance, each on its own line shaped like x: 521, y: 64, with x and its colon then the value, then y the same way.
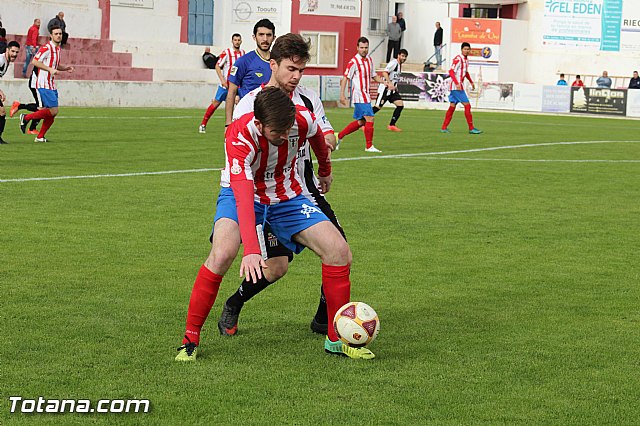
x: 387, y: 96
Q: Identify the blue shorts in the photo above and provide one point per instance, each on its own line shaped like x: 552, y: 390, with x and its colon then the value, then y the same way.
x: 49, y: 98
x: 286, y: 218
x: 362, y: 110
x: 458, y: 96
x: 221, y: 94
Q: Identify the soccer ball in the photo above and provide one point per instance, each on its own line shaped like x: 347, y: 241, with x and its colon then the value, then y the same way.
x: 356, y: 324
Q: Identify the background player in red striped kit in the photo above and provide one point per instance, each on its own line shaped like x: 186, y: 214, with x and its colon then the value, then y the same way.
x: 458, y: 72
x: 359, y: 72
x: 48, y: 61
x: 223, y: 67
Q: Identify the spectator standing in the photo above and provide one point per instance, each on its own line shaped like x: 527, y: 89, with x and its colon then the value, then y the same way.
x: 3, y: 40
x: 58, y: 21
x: 31, y: 45
x: 437, y: 43
x: 394, y: 32
x: 562, y: 81
x: 604, y: 81
x: 578, y: 82
x: 635, y: 81
x: 402, y: 23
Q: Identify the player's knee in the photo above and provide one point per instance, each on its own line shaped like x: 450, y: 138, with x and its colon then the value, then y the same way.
x: 339, y: 255
x: 3, y: 112
x: 219, y: 260
x: 277, y: 268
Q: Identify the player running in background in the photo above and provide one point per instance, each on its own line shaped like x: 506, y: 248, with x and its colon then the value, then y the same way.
x: 359, y: 72
x: 289, y: 58
x: 252, y: 69
x: 223, y: 67
x: 33, y: 107
x: 264, y: 185
x: 392, y: 73
x: 458, y: 72
x: 8, y: 56
x: 48, y: 61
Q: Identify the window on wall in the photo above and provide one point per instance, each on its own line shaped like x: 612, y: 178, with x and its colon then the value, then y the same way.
x: 201, y: 22
x: 378, y: 17
x: 324, y: 48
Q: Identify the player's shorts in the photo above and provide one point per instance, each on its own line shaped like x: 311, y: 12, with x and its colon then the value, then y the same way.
x: 458, y: 96
x: 387, y: 96
x: 362, y: 110
x: 286, y: 218
x: 226, y: 208
x: 49, y: 98
x: 221, y: 94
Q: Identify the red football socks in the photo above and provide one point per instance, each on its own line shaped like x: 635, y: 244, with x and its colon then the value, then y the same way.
x: 208, y: 114
x: 448, y: 117
x: 337, y: 289
x: 45, y: 126
x: 368, y: 133
x: 38, y: 115
x: 351, y: 127
x: 203, y: 296
x: 468, y: 116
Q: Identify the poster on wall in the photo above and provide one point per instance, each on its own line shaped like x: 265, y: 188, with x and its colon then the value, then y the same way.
x: 330, y: 87
x: 343, y: 8
x: 484, y: 36
x: 556, y: 99
x: 595, y: 25
x: 599, y: 101
x: 142, y: 4
x: 494, y: 95
x: 251, y: 11
x: 630, y: 27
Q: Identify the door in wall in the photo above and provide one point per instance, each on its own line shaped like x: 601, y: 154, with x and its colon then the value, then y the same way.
x: 201, y: 22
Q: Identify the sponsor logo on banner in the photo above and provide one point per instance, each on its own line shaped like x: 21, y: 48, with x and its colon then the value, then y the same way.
x: 476, y: 31
x: 599, y: 101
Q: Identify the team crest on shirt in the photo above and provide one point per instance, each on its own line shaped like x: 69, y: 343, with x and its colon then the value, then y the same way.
x: 307, y: 210
x: 259, y: 74
x: 233, y: 70
x: 235, y: 168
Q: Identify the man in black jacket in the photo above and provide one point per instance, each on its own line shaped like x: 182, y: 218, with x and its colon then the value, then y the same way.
x: 437, y: 44
x: 635, y: 81
x: 59, y: 21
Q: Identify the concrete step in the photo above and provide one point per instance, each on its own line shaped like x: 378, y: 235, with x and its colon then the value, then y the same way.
x: 75, y: 57
x: 181, y: 75
x: 89, y: 72
x: 80, y: 44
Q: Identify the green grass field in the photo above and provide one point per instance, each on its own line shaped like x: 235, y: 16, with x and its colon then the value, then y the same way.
x: 504, y: 268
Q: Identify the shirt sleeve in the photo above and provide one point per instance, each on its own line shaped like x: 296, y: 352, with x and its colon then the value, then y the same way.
x: 42, y: 53
x: 222, y: 59
x: 351, y: 69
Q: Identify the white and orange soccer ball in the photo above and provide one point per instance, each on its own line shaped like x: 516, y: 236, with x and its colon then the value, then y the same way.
x: 356, y: 324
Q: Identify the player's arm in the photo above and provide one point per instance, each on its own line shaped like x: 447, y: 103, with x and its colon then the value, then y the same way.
x: 230, y: 102
x: 223, y: 81
x: 321, y: 150
x: 323, y: 122
x: 452, y: 74
x: 3, y: 97
x: 68, y: 68
x: 468, y: 77
x: 380, y: 80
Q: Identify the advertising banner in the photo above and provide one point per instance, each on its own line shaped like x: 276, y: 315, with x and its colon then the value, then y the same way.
x: 494, y: 96
x: 476, y: 31
x: 429, y: 87
x: 527, y: 97
x: 633, y: 103
x: 251, y: 11
x: 599, y: 101
x: 556, y: 99
x: 330, y: 87
x: 343, y: 8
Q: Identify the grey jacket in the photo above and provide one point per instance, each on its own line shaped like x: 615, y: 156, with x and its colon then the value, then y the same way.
x: 394, y: 31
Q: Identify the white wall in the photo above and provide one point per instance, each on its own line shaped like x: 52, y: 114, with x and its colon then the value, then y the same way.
x: 160, y: 24
x: 83, y: 17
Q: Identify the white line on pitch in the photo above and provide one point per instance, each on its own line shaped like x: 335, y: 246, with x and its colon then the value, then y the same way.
x: 421, y: 154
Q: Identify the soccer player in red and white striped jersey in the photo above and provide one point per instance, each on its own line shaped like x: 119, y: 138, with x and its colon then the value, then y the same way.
x: 359, y: 72
x: 48, y: 61
x: 223, y: 67
x: 458, y: 73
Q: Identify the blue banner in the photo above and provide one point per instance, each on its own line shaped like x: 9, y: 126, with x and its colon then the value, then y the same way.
x: 611, y: 22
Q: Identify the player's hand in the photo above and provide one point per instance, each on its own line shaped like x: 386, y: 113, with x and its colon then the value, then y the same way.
x: 70, y: 69
x: 2, y: 96
x: 53, y: 71
x: 250, y: 267
x: 473, y: 86
x: 225, y: 85
x: 325, y: 183
x: 343, y: 100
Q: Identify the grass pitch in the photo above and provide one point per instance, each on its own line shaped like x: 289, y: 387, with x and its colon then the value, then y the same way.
x: 503, y: 267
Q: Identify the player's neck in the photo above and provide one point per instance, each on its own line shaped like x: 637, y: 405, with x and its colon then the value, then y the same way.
x: 265, y: 56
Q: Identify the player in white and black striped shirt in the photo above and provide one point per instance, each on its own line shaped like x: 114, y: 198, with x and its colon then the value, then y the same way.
x: 392, y: 73
x: 9, y: 55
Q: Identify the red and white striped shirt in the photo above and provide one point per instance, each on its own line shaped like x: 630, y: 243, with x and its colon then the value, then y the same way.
x: 359, y: 72
x: 250, y: 156
x: 226, y: 60
x: 460, y: 68
x: 49, y: 54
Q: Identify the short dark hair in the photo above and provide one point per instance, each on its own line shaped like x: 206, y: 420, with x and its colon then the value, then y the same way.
x: 274, y: 108
x: 236, y: 35
x: 577, y: 76
x: 3, y: 32
x: 363, y: 40
x: 465, y: 44
x: 54, y: 27
x: 403, y: 52
x: 13, y: 43
x: 264, y: 23
x: 290, y: 46
x: 561, y: 75
x: 635, y: 71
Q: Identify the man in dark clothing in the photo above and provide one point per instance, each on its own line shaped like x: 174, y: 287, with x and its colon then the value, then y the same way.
x: 403, y: 25
x: 437, y: 43
x: 394, y: 32
x: 635, y: 81
x: 59, y: 21
x: 209, y: 58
